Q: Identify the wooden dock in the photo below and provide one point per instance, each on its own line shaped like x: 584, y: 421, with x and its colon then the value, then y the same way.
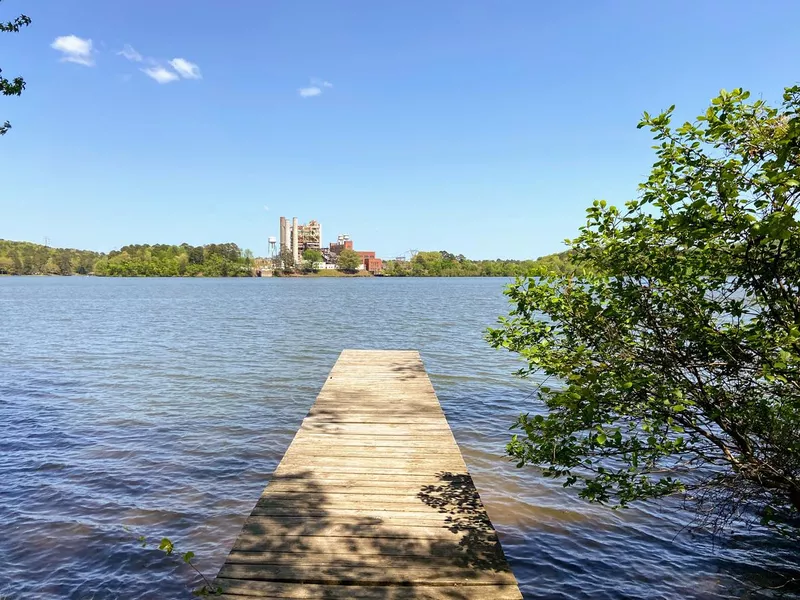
x: 372, y: 500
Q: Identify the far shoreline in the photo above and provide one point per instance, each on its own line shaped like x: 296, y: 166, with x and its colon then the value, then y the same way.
x: 290, y: 276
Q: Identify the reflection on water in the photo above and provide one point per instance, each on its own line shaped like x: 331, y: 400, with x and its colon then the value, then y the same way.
x: 163, y: 405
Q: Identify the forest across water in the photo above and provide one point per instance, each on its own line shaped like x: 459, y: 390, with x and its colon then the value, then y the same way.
x: 229, y: 260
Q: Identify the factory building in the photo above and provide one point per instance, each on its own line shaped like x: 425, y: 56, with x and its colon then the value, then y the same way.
x: 296, y: 237
x: 286, y: 236
x: 369, y: 261
x: 342, y: 242
x: 309, y: 237
x: 373, y: 265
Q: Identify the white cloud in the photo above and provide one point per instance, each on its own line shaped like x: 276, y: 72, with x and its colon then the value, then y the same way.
x: 160, y: 74
x: 74, y: 49
x: 309, y: 92
x: 186, y: 69
x: 316, y: 87
x: 160, y: 70
x: 130, y: 53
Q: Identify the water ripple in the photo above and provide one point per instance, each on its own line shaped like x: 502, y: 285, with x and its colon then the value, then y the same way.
x: 160, y: 407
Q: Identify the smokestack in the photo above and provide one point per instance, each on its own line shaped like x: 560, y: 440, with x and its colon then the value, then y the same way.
x: 286, y: 235
x: 295, y: 242
x: 282, y: 233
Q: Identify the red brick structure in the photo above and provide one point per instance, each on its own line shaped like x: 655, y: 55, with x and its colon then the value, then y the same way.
x: 369, y: 261
x: 336, y: 247
x: 373, y: 265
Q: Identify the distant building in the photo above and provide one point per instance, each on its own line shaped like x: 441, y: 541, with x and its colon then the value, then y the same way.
x: 373, y: 265
x: 343, y: 242
x: 283, y: 235
x: 309, y: 237
x: 296, y: 237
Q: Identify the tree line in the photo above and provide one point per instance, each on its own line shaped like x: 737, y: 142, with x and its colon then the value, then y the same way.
x: 445, y: 264
x: 137, y: 260
x: 25, y: 258
x: 228, y: 260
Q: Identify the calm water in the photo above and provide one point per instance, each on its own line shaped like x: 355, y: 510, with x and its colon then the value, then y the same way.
x: 159, y: 407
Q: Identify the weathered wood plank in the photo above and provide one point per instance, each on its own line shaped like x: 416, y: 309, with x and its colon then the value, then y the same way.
x: 401, y: 462
x: 332, y: 497
x: 377, y: 526
x: 298, y: 470
x: 432, y: 444
x: 348, y: 486
x: 238, y: 590
x: 452, y: 545
x: 369, y: 451
x: 349, y: 574
x: 372, y: 500
x: 344, y: 559
x: 340, y: 511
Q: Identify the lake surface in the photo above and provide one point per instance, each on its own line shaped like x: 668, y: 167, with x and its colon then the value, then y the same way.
x: 159, y: 407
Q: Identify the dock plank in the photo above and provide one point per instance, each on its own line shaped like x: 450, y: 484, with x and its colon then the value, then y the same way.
x: 372, y: 500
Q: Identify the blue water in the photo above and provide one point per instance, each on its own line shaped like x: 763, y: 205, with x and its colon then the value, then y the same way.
x: 159, y: 407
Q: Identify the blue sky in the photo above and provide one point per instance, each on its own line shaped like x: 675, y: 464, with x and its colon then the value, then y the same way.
x: 484, y: 128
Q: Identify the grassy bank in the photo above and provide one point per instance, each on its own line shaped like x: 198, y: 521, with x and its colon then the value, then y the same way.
x: 327, y: 273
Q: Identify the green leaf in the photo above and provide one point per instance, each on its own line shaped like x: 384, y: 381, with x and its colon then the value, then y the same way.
x: 188, y: 556
x: 166, y: 545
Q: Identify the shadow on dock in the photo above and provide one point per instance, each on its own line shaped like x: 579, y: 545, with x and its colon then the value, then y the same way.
x: 457, y: 498
x: 372, y: 500
x: 298, y: 541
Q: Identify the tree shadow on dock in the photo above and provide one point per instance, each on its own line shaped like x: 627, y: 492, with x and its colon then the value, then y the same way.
x: 303, y: 540
x: 458, y: 499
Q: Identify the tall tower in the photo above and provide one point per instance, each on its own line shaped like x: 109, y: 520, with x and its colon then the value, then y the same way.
x: 282, y: 234
x: 287, y: 238
x: 295, y: 242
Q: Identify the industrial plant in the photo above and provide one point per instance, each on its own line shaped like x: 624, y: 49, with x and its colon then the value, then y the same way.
x: 294, y: 238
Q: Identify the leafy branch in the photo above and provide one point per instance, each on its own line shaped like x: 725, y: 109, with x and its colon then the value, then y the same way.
x: 15, y: 86
x: 677, y: 348
x: 168, y: 547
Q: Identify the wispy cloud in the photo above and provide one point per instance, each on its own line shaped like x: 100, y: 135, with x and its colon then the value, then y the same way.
x: 315, y: 89
x: 74, y: 49
x: 160, y: 70
x: 309, y: 92
x: 130, y: 53
x: 186, y: 69
x: 160, y: 74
